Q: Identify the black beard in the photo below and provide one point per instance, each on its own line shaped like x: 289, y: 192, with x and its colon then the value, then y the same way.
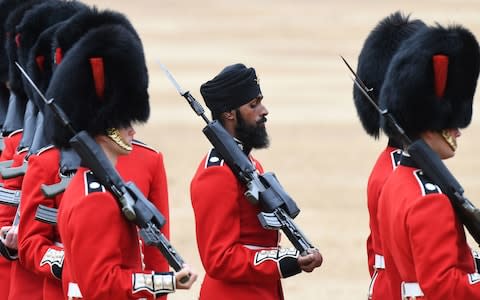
x: 252, y: 137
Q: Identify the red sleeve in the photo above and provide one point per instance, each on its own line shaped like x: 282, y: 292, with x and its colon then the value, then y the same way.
x: 7, y: 213
x: 36, y: 240
x: 438, y: 243
x: 101, y: 247
x: 158, y: 195
x: 11, y: 143
x: 214, y: 194
x: 370, y: 255
x: 7, y: 152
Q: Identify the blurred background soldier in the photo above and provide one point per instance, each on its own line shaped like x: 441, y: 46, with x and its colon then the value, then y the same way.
x: 377, y: 52
x: 40, y: 248
x: 429, y: 89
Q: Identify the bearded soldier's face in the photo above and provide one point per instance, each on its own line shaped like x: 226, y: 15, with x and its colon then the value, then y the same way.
x: 250, y: 126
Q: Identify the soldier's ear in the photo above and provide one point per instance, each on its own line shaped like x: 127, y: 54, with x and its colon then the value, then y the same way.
x: 229, y: 115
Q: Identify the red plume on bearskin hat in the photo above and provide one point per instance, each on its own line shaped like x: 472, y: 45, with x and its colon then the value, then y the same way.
x: 101, y: 83
x: 431, y: 81
x: 81, y: 23
x: 377, y: 52
x: 40, y: 61
x: 38, y: 19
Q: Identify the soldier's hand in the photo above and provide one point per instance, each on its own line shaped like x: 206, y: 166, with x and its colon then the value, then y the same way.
x: 11, y: 240
x: 186, y: 270
x: 310, y: 261
x: 3, y: 233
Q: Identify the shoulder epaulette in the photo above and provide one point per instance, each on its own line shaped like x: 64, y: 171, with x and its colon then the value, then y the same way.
x: 426, y: 185
x: 143, y: 145
x: 213, y: 159
x: 44, y: 149
x: 91, y: 183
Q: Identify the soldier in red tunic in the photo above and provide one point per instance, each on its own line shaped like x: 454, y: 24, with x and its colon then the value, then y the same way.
x: 40, y: 247
x: 105, y: 93
x: 241, y: 258
x: 12, y: 128
x: 373, y: 61
x: 429, y: 90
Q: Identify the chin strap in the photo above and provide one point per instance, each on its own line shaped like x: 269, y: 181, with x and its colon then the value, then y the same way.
x: 451, y: 141
x: 114, y: 135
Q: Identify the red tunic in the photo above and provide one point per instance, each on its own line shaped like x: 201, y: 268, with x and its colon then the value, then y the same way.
x: 40, y: 249
x: 240, y: 257
x: 24, y: 284
x: 423, y: 239
x: 102, y: 251
x: 144, y: 166
x: 7, y: 213
x: 386, y: 162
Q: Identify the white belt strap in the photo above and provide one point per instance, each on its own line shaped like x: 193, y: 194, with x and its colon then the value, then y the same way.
x: 372, y: 284
x: 379, y: 262
x: 411, y: 290
x: 73, y: 291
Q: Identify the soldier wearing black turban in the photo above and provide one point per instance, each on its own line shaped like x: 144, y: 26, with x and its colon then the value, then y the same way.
x: 241, y: 258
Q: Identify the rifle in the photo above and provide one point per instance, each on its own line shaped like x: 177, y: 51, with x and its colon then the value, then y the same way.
x: 52, y: 190
x: 278, y: 208
x: 432, y: 166
x: 69, y: 162
x: 13, y: 172
x: 46, y: 214
x: 6, y: 163
x: 134, y: 206
x: 10, y: 197
x: 29, y: 128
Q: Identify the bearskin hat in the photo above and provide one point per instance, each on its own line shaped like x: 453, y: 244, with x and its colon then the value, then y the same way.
x: 39, y: 19
x: 14, y: 18
x: 431, y: 81
x: 101, y: 83
x: 377, y: 52
x: 4, y: 95
x: 6, y: 7
x: 79, y: 24
x: 40, y: 61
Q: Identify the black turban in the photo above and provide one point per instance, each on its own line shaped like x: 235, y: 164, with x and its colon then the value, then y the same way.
x: 233, y: 87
